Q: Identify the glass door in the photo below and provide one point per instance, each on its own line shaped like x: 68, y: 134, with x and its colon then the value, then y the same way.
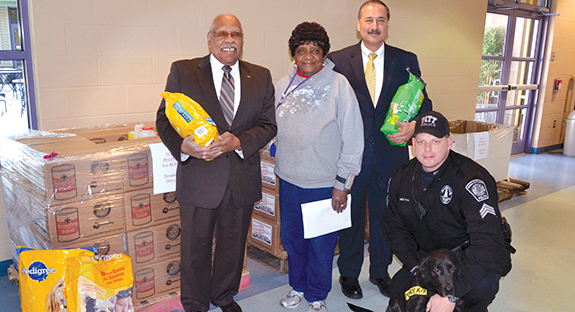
x: 509, y: 78
x: 17, y: 114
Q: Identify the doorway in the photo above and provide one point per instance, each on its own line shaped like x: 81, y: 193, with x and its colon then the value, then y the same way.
x: 511, y: 68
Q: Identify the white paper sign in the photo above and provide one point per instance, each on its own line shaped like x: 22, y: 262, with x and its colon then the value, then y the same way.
x: 164, y: 169
x: 481, y: 148
x: 319, y: 218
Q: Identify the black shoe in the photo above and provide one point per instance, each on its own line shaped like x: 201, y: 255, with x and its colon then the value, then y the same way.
x: 232, y: 307
x: 350, y: 287
x: 382, y: 283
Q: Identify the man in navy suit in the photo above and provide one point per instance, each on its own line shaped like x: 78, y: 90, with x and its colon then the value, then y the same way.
x: 219, y: 194
x: 380, y: 158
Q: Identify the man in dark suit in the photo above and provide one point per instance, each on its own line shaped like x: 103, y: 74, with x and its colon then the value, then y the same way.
x: 387, y: 65
x: 219, y: 193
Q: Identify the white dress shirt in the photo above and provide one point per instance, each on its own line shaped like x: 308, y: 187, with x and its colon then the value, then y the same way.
x: 218, y: 74
x: 378, y: 62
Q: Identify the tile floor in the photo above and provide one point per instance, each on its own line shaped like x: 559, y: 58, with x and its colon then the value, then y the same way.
x: 542, y: 233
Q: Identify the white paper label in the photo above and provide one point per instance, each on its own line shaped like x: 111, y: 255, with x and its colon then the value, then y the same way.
x: 481, y: 148
x: 164, y: 169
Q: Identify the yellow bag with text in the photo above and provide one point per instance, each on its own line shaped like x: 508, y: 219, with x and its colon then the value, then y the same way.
x: 42, y: 275
x: 100, y: 285
x: 188, y: 117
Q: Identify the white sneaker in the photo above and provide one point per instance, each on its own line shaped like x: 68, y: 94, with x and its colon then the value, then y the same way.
x: 317, y: 306
x: 292, y: 299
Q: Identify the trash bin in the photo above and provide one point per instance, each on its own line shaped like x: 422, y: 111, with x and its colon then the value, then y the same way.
x: 569, y: 143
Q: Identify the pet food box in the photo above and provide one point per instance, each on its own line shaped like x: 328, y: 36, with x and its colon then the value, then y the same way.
x: 265, y: 235
x: 82, y: 221
x: 153, y: 244
x: 267, y: 208
x: 145, y: 209
x: 67, y: 169
x: 136, y: 159
x: 106, y: 245
x: 156, y: 279
x: 269, y: 178
x: 488, y: 144
x: 105, y: 134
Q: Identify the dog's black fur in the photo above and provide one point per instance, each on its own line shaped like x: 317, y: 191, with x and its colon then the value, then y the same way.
x: 437, y: 274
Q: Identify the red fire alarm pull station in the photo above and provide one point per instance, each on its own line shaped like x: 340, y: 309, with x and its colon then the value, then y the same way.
x: 557, y: 83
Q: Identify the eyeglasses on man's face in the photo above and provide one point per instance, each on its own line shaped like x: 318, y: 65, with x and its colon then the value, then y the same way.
x: 222, y: 35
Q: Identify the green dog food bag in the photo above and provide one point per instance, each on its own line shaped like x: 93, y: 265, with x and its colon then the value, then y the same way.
x: 404, y: 105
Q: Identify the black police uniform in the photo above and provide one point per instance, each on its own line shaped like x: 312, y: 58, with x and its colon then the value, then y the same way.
x: 457, y: 210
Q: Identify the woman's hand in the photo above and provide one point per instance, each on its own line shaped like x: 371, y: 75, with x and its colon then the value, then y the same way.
x: 338, y: 200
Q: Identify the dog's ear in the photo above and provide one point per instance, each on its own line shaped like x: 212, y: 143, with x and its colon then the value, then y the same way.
x: 423, y: 264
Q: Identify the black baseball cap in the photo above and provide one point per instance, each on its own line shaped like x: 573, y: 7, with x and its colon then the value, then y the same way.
x: 433, y: 123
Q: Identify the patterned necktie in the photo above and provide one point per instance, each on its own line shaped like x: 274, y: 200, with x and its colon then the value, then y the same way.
x: 227, y: 95
x: 370, y: 77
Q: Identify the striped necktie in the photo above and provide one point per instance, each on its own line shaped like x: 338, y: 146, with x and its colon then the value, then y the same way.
x: 370, y: 77
x: 227, y: 95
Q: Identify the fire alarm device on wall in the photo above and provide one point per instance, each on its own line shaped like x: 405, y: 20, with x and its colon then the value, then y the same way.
x: 557, y: 83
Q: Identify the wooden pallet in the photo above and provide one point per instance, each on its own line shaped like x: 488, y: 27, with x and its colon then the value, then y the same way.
x: 278, y: 263
x: 13, y: 274
x: 511, y: 187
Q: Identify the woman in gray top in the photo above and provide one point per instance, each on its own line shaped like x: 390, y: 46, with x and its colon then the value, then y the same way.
x: 319, y: 152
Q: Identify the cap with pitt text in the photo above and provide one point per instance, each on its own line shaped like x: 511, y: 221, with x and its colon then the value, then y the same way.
x: 433, y: 123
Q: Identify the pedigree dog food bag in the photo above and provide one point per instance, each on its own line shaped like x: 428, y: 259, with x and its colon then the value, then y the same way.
x: 74, y: 280
x: 100, y: 285
x: 188, y: 117
x: 43, y: 278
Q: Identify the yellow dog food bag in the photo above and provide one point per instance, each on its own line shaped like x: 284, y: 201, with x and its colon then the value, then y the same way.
x: 100, y: 285
x: 188, y: 117
x: 42, y: 275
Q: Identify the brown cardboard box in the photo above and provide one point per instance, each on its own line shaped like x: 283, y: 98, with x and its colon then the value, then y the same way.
x: 105, y: 134
x: 493, y: 153
x: 268, y: 208
x: 155, y: 243
x: 136, y: 159
x: 156, y: 279
x: 106, y: 245
x: 144, y: 209
x: 84, y: 221
x: 265, y: 236
x: 269, y: 178
x: 86, y: 177
x: 79, y: 171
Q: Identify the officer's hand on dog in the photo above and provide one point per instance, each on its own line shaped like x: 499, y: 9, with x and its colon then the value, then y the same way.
x: 439, y: 304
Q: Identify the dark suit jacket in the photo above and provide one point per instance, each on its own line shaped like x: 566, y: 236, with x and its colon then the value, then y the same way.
x: 378, y: 153
x: 203, y: 183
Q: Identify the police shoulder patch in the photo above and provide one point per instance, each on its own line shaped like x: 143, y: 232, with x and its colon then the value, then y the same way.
x: 478, y: 189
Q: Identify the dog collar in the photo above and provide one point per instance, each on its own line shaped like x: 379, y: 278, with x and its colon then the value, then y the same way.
x: 415, y: 290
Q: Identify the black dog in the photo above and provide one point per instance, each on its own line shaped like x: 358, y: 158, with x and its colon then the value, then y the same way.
x: 436, y: 275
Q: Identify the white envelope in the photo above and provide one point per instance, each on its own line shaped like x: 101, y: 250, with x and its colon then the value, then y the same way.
x: 319, y: 218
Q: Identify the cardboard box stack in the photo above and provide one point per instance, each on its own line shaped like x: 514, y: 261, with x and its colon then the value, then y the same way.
x: 265, y: 228
x: 82, y: 187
